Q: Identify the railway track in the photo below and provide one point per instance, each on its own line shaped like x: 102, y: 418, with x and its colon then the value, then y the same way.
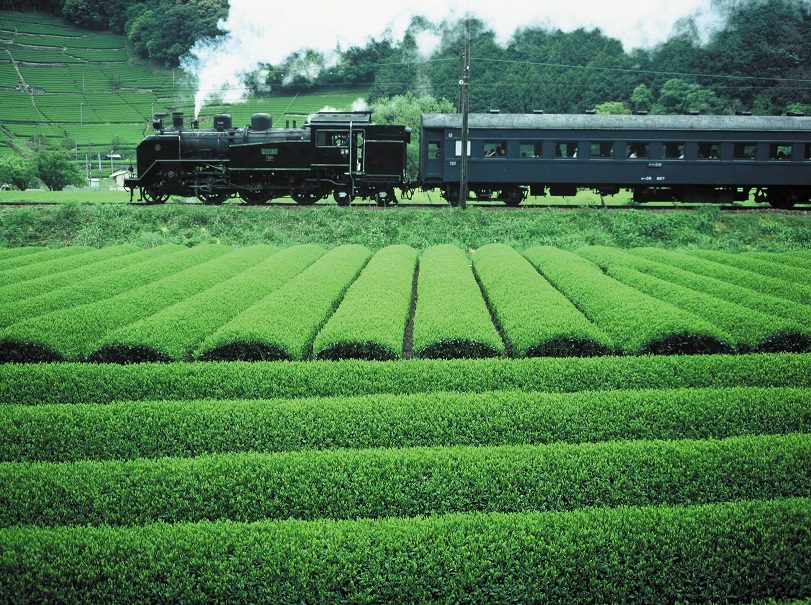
x: 483, y: 206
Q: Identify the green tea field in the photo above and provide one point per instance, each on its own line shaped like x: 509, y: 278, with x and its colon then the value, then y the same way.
x: 636, y: 428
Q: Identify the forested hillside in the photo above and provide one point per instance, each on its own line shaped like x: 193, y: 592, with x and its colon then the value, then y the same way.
x: 757, y: 62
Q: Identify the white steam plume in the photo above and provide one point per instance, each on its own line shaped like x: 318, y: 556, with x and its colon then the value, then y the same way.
x: 258, y: 31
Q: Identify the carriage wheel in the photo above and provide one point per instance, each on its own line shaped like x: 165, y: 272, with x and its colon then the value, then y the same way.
x: 512, y: 196
x: 256, y: 198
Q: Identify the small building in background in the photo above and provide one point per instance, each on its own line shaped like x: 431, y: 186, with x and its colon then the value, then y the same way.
x: 118, y: 178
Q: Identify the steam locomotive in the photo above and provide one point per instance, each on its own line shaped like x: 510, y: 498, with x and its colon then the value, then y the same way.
x: 342, y: 154
x: 689, y: 158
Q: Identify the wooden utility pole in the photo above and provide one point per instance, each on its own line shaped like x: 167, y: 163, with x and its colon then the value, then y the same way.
x: 464, y: 109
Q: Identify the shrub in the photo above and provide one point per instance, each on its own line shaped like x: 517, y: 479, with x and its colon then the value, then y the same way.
x: 75, y: 332
x: 153, y: 429
x: 737, y: 552
x: 85, y: 383
x: 798, y: 293
x: 283, y: 324
x: 370, y: 322
x: 765, y: 303
x: 74, y: 257
x: 174, y: 332
x: 535, y: 318
x: 451, y: 318
x: 636, y: 322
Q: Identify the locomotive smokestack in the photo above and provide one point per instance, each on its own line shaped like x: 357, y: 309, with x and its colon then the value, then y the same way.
x: 177, y: 120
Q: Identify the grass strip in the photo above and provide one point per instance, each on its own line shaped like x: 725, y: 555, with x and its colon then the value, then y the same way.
x: 113, y: 260
x: 730, y: 552
x: 31, y: 384
x: 765, y: 303
x: 789, y: 272
x: 71, y: 259
x: 451, y: 319
x: 283, y: 324
x: 751, y: 330
x: 172, y: 333
x: 152, y: 429
x: 795, y: 292
x: 357, y: 484
x: 371, y: 320
x: 636, y: 322
x: 86, y: 288
x: 536, y: 319
x: 75, y: 332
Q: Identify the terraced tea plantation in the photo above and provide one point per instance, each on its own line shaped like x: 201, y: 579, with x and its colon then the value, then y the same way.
x: 585, y: 457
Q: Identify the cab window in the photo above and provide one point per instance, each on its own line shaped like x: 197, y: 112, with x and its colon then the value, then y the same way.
x: 332, y: 138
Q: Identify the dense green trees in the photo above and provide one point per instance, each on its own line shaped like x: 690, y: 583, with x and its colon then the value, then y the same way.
x: 758, y: 61
x: 57, y: 170
x: 16, y: 171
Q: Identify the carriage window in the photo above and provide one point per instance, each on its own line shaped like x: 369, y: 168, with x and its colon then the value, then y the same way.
x: 674, y: 151
x: 780, y: 151
x: 495, y: 149
x: 531, y: 150
x: 566, y: 150
x: 602, y: 150
x: 433, y: 150
x: 638, y: 151
x: 458, y: 149
x: 744, y: 151
x: 332, y: 138
x: 808, y: 151
x: 709, y: 151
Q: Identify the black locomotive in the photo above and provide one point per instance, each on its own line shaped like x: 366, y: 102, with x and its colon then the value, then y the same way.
x: 341, y: 154
x: 717, y: 159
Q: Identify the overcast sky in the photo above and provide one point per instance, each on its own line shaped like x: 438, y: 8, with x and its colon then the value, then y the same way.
x: 269, y: 31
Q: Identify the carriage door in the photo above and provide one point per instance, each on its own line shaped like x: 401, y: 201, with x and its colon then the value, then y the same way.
x: 433, y: 163
x: 358, y: 150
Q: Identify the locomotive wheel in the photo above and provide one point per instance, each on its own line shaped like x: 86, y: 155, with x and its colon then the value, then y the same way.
x: 212, y: 199
x: 153, y: 197
x: 385, y: 198
x: 255, y: 198
x: 305, y: 198
x: 342, y: 197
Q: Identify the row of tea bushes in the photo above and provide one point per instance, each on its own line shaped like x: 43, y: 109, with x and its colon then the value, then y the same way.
x: 35, y: 384
x: 174, y: 332
x: 370, y: 322
x: 636, y: 322
x: 355, y: 484
x: 74, y: 333
x: 284, y: 323
x: 536, y: 319
x: 153, y: 429
x: 451, y: 318
x: 740, y: 552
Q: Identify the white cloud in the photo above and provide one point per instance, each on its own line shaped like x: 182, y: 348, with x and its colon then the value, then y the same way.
x: 261, y: 31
